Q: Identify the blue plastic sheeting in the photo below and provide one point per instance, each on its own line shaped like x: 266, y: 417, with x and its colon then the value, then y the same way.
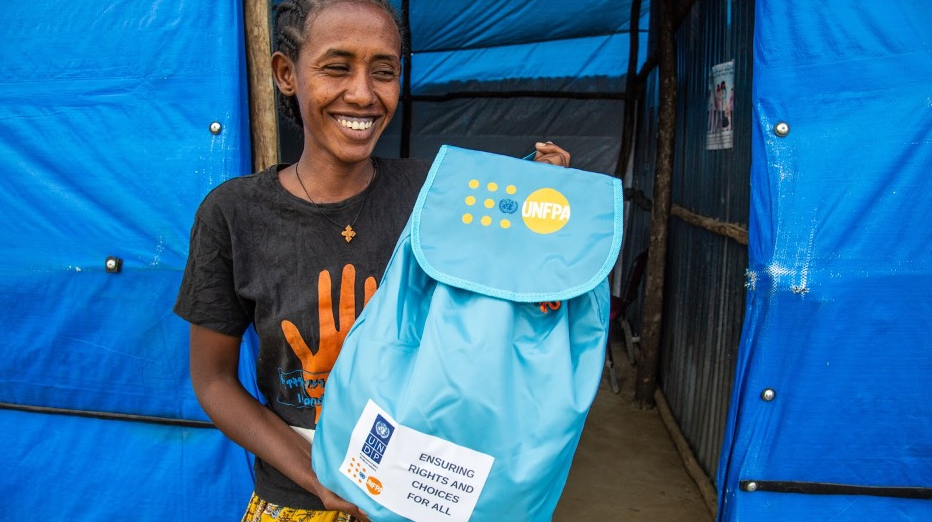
x: 591, y: 57
x: 107, y: 149
x: 72, y: 468
x: 839, y: 302
x: 467, y: 24
x: 462, y: 44
x: 105, y: 110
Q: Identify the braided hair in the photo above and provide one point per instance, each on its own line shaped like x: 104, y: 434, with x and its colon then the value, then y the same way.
x: 291, y: 17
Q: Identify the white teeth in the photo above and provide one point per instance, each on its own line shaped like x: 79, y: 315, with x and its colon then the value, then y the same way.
x: 356, y: 124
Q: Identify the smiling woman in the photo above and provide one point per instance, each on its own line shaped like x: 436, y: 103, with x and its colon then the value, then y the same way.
x: 296, y: 250
x: 345, y: 89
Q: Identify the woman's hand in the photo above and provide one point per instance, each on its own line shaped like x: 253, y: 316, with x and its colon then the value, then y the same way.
x: 333, y: 502
x: 547, y: 152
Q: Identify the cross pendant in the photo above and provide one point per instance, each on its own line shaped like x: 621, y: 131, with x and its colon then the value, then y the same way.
x: 348, y: 233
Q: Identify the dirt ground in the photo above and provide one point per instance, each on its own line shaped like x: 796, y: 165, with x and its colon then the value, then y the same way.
x: 626, y: 467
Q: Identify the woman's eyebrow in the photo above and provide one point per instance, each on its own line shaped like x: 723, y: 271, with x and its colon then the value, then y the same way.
x: 342, y: 53
x: 337, y: 53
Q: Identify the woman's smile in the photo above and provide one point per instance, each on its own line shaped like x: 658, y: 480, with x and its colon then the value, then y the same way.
x: 355, y: 123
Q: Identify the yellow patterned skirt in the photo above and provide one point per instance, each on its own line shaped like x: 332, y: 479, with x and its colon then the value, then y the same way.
x: 261, y: 511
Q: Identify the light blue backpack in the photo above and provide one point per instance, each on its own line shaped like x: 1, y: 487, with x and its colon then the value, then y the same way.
x: 461, y: 390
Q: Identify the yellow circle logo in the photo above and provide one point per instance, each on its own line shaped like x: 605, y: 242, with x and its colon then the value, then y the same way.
x: 545, y: 211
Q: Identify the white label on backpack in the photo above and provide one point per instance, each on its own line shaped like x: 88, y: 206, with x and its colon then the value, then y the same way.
x: 416, y: 475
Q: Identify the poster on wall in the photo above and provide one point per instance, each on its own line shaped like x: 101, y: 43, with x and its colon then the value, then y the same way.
x: 721, y: 104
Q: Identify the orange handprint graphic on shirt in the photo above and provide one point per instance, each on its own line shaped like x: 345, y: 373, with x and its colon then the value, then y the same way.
x: 317, y: 365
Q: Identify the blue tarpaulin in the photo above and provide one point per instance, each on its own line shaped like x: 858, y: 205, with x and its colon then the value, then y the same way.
x: 461, y: 42
x: 105, y: 111
x: 830, y: 396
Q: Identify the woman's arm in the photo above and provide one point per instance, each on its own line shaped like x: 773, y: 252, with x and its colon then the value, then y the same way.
x: 214, y: 375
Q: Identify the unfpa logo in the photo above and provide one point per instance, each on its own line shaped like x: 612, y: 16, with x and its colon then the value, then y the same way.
x: 374, y: 485
x: 545, y: 211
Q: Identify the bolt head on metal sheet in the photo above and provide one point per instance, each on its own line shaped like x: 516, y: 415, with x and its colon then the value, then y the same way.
x: 768, y: 394
x: 113, y: 264
x: 781, y: 129
x: 215, y: 127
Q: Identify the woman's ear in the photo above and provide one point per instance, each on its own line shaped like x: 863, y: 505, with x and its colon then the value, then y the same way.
x: 283, y: 72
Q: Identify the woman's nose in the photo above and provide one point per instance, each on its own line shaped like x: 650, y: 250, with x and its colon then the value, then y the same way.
x: 360, y: 91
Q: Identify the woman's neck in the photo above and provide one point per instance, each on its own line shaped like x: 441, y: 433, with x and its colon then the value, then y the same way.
x: 327, y: 182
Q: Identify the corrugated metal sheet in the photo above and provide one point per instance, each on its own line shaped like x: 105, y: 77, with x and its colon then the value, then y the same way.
x: 704, y: 287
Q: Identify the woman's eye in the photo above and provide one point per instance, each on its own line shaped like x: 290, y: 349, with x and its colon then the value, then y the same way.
x: 385, y: 74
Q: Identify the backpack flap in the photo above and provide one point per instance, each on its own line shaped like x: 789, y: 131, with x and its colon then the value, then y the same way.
x: 514, y: 229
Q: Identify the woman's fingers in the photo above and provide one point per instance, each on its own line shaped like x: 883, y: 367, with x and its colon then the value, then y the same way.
x: 334, y: 502
x: 358, y: 515
x: 548, y: 152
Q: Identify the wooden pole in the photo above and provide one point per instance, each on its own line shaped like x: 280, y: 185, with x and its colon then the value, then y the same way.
x: 693, y: 468
x: 263, y: 119
x: 722, y: 228
x: 660, y: 212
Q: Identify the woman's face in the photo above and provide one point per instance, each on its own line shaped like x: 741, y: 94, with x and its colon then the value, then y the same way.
x: 346, y: 80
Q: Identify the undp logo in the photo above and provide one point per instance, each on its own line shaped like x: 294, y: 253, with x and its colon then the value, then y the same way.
x: 377, y: 441
x: 545, y: 211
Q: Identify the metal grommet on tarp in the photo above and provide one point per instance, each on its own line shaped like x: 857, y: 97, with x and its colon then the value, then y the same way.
x: 113, y: 265
x: 768, y: 394
x: 781, y: 129
x: 215, y: 127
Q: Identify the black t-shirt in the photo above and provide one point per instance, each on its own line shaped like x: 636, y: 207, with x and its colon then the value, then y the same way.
x: 260, y: 255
